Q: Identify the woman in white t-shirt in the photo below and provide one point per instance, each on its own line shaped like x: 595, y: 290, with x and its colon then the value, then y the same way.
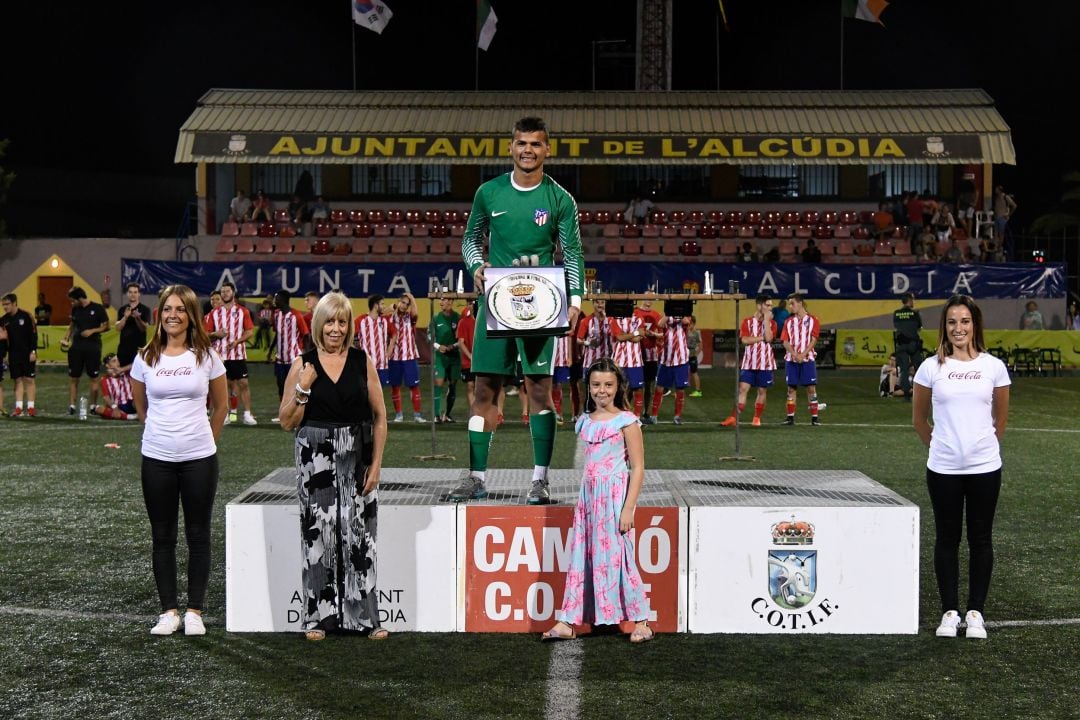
x: 968, y: 390
x: 171, y: 379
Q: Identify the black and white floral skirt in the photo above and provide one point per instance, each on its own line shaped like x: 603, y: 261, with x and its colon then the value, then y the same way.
x: 338, y: 527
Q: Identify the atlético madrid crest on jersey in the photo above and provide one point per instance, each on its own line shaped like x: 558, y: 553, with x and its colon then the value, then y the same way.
x: 541, y: 217
x: 792, y: 566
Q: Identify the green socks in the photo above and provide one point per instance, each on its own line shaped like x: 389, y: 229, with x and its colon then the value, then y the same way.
x: 542, y: 427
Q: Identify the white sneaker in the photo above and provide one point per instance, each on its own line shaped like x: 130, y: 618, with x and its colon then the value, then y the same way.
x: 167, y: 624
x: 950, y: 621
x: 249, y: 419
x: 417, y: 417
x: 193, y: 624
x: 399, y: 418
x: 976, y: 627
x: 229, y: 419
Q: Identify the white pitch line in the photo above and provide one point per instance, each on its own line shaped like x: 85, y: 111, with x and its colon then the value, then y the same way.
x: 563, y: 692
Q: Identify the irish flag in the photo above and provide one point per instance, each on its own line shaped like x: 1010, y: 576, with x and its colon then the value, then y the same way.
x: 485, y: 24
x: 869, y: 10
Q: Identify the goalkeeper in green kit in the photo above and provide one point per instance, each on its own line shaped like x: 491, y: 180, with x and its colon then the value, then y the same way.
x: 528, y: 216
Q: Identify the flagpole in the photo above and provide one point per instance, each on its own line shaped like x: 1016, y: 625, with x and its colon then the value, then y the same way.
x: 352, y: 24
x: 841, y: 44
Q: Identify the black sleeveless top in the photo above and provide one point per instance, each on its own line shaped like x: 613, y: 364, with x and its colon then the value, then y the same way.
x: 344, y: 402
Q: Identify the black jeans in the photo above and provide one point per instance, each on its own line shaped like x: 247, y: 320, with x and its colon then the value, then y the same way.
x: 908, y: 354
x: 165, y: 485
x: 948, y: 495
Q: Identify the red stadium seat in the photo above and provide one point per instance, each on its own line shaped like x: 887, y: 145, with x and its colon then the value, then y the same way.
x: 357, y: 216
x: 753, y: 218
x: 766, y: 231
x: 287, y: 231
x: 830, y: 217
x: 728, y: 231
x: 437, y: 246
x: 440, y: 230
x: 584, y: 217
x: 414, y: 216
x: 774, y: 217
x: 677, y: 216
x: 302, y: 246
x: 790, y: 217
x: 734, y: 217
x: 394, y: 216
x: 710, y: 247
x: 282, y: 215
x: 629, y: 231
x: 822, y: 232
x: 603, y: 217
x: 810, y: 217
x: 695, y: 217
x: 650, y: 247
x: 338, y: 216
x: 842, y: 231
x: 343, y: 230
x: 361, y: 246
x: 342, y: 249
x: 380, y: 246
x: 729, y: 249
x: 400, y: 230
x: 321, y: 246
x: 363, y: 230
x: 245, y: 245
x: 249, y: 229
x: 451, y: 216
x: 671, y: 246
x: 399, y: 246
x: 324, y: 230
x: 716, y: 217
x: 433, y: 216
x: 230, y: 229
x: 708, y: 231
x: 612, y: 247
x: 225, y: 246
x: 376, y: 216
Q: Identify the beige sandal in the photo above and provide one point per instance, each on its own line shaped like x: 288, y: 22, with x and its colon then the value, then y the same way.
x: 642, y: 632
x: 553, y: 634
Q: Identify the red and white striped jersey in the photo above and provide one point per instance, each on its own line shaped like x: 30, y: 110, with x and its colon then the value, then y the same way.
x: 760, y: 355
x: 405, y: 347
x: 650, y: 319
x: 626, y: 353
x: 598, y: 333
x: 234, y: 320
x: 116, y: 389
x: 372, y: 336
x: 564, y: 351
x: 465, y: 330
x: 289, y: 332
x: 800, y: 333
x: 675, y: 351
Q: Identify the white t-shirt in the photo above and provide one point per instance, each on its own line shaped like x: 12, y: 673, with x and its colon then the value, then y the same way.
x: 177, y: 428
x: 963, y: 441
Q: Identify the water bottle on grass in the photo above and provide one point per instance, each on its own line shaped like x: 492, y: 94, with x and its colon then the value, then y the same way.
x: 82, y: 407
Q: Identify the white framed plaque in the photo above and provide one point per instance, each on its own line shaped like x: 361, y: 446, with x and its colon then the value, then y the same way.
x: 526, y: 302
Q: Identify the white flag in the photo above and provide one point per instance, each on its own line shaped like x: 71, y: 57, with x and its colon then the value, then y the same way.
x: 371, y: 15
x: 485, y: 23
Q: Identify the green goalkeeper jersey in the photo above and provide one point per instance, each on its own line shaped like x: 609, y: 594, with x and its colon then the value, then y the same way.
x: 525, y: 223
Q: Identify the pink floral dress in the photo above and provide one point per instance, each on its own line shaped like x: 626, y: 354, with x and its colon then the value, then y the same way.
x: 603, y: 586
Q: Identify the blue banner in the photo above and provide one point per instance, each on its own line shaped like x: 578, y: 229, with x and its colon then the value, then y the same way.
x: 828, y: 282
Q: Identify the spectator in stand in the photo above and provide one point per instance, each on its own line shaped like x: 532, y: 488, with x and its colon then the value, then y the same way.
x: 637, y: 212
x: 240, y: 207
x: 20, y: 332
x: 965, y: 206
x: 747, y: 254
x: 990, y: 246
x: 914, y: 216
x: 297, y: 210
x: 320, y: 211
x: 117, y: 401
x: 404, y: 357
x: 884, y: 222
x: 229, y: 327
x: 930, y: 206
x: 83, y: 344
x: 262, y: 206
x: 290, y: 334
x: 43, y: 311
x: 954, y: 254
x: 927, y: 245
x: 1032, y: 319
x: 899, y: 210
x: 131, y: 322
x: 1004, y: 206
x: 772, y: 256
x: 944, y: 223
x: 811, y: 253
x: 1072, y: 317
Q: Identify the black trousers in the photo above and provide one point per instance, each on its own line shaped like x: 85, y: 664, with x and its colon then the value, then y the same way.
x: 907, y: 355
x: 949, y: 494
x: 165, y: 485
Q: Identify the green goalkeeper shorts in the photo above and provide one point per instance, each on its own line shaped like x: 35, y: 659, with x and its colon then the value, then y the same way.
x: 499, y: 356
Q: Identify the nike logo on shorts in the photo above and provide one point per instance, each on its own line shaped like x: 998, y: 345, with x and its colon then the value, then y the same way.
x: 501, y: 212
x: 541, y: 364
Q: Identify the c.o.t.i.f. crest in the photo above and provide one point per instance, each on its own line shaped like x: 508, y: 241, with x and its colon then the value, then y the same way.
x: 523, y: 301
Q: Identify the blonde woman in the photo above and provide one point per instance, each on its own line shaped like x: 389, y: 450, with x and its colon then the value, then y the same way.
x: 171, y: 379
x: 333, y: 400
x: 967, y: 389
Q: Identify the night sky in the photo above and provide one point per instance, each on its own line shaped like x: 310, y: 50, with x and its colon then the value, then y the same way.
x: 95, y: 93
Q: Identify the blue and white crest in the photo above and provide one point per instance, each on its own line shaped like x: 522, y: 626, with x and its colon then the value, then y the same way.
x: 541, y: 217
x: 792, y: 577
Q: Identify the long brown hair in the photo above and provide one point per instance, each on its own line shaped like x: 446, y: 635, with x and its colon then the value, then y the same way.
x: 620, y: 400
x: 945, y: 348
x: 197, y: 338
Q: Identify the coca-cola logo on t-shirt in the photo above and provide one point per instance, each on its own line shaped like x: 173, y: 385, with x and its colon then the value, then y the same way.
x: 172, y: 372
x: 966, y: 375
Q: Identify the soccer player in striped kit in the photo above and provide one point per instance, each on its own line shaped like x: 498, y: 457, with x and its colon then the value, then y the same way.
x: 291, y: 333
x: 564, y: 358
x: 117, y: 401
x: 375, y: 335
x: 627, y: 334
x: 650, y: 355
x: 674, y: 369
x: 800, y: 333
x: 229, y: 326
x: 594, y: 335
x: 756, y: 333
x: 403, y: 359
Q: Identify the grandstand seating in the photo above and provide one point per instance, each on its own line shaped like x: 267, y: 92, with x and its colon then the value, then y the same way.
x: 338, y: 216
x: 400, y: 230
x: 225, y: 246
x: 437, y: 246
x: 281, y: 215
x: 826, y: 248
x: 394, y: 216
x: 324, y: 230
x: 357, y: 216
x: 321, y: 246
x: 302, y: 246
x: 363, y: 230
x: 709, y: 247
x: 230, y: 229
x: 287, y: 231
x: 671, y: 246
x: 631, y: 231
x: 413, y: 217
x: 361, y: 246
x: 283, y: 250
x: 342, y: 249
x: 380, y: 246
x: 249, y: 229
x: 451, y: 216
x: 376, y: 216
x: 766, y: 231
x: 650, y: 246
x: 245, y: 245
x: 399, y: 245
x: 344, y: 229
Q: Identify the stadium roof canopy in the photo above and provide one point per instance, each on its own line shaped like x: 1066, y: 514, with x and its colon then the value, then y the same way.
x: 950, y: 127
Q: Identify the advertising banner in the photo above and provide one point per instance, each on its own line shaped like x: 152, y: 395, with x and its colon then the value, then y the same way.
x: 873, y: 347
x: 515, y: 562
x: 829, y: 282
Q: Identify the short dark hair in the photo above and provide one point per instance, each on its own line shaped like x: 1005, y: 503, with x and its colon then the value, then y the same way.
x: 311, y: 293
x: 797, y: 297
x: 907, y: 296
x: 373, y: 301
x: 11, y: 298
x: 214, y: 292
x: 132, y: 285
x: 77, y: 293
x: 762, y: 299
x: 228, y: 283
x: 530, y: 125
x: 105, y: 360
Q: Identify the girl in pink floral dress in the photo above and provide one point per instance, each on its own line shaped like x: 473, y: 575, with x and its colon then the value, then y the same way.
x: 603, y: 586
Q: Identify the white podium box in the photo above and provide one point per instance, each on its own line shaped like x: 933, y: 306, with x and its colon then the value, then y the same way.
x: 416, y: 568
x: 800, y: 551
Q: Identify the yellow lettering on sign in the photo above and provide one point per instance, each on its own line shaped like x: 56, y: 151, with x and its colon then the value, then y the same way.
x: 713, y: 146
x: 806, y: 146
x: 441, y: 146
x: 319, y: 149
x: 666, y: 149
x: 471, y: 147
x: 612, y: 147
x: 379, y: 146
x: 286, y: 145
x: 504, y: 147
x: 773, y: 147
x: 888, y: 146
x: 411, y: 145
x: 337, y: 146
x: 635, y: 147
x: 839, y: 147
x: 864, y: 147
x: 739, y: 151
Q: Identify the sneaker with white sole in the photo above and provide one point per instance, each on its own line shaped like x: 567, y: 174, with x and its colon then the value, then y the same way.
x: 539, y: 493
x: 193, y: 624
x: 418, y: 417
x: 976, y: 626
x: 677, y: 420
x: 249, y: 419
x: 399, y: 418
x: 950, y: 621
x: 471, y: 488
x: 167, y: 624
